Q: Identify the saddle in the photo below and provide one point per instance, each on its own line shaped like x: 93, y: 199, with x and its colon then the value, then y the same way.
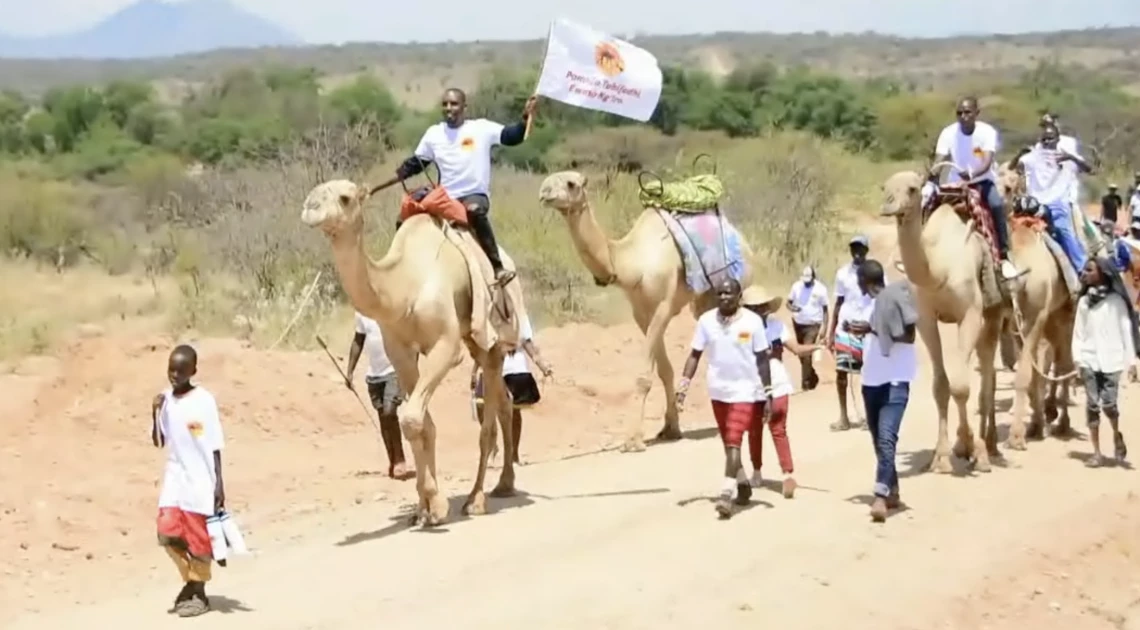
x: 970, y: 205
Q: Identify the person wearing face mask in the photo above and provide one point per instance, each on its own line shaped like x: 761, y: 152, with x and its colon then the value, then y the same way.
x: 808, y: 303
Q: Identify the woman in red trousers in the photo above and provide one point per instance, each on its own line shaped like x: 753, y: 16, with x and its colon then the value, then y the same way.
x: 759, y: 301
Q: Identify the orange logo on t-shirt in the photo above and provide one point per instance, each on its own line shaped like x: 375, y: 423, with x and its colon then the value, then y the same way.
x: 467, y: 144
x: 979, y: 153
x: 195, y: 428
x: 608, y: 59
x: 744, y: 337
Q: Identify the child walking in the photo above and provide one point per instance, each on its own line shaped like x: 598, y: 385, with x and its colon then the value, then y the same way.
x: 185, y: 421
x: 1104, y: 343
x: 757, y: 300
x: 738, y: 367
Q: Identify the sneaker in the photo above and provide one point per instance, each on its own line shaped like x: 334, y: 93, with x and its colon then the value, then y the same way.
x: 1009, y: 271
x: 789, y: 489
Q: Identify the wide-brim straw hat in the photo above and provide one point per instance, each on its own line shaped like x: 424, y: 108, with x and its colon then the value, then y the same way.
x: 757, y: 295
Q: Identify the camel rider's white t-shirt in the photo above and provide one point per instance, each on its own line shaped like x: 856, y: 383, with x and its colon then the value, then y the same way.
x: 731, y: 349
x: 462, y: 154
x: 1046, y: 180
x: 968, y: 152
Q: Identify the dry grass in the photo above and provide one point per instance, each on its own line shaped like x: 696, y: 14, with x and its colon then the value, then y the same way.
x: 225, y: 252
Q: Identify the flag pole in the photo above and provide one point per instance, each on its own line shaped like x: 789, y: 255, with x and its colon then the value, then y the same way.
x: 541, y: 69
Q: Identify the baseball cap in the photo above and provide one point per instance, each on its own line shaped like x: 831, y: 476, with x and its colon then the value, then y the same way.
x: 859, y: 239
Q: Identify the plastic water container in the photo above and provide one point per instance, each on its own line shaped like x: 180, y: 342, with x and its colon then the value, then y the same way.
x: 232, y: 533
x: 217, y: 537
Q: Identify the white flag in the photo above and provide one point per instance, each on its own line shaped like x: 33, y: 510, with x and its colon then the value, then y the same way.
x: 590, y: 69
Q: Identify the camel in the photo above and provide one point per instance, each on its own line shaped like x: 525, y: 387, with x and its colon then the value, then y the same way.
x: 421, y: 295
x: 648, y: 267
x: 943, y: 258
x: 1046, y: 312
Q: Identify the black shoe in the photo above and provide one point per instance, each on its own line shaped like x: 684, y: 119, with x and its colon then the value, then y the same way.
x: 743, y: 493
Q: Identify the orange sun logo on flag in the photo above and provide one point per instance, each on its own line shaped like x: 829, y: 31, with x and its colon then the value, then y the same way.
x: 467, y: 144
x: 608, y: 59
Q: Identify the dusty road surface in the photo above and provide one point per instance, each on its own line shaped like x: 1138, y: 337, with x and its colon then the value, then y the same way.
x: 601, y: 540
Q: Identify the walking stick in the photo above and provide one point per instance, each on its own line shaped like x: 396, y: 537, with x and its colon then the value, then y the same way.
x: 375, y: 423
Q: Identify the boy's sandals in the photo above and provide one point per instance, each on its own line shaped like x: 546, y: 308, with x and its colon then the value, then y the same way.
x: 193, y: 607
x: 1120, y: 447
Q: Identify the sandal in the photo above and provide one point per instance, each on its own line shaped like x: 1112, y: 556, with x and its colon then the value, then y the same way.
x: 724, y: 507
x: 193, y: 607
x: 1120, y: 447
x: 182, y: 596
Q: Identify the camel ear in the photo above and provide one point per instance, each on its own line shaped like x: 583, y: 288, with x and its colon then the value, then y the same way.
x: 585, y: 182
x: 363, y: 191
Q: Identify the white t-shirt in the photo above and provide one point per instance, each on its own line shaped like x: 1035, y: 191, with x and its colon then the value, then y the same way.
x: 810, y: 300
x: 731, y: 350
x: 900, y: 367
x: 515, y: 362
x: 847, y: 281
x: 776, y: 331
x: 1069, y: 145
x: 463, y: 155
x: 378, y: 362
x: 855, y: 309
x: 192, y: 431
x: 1046, y: 180
x: 966, y: 152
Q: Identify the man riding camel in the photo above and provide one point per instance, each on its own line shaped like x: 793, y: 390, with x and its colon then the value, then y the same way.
x: 461, y: 150
x: 971, y: 146
x: 1050, y: 174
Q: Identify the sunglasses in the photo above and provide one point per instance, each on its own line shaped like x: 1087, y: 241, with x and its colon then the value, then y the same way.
x: 965, y: 112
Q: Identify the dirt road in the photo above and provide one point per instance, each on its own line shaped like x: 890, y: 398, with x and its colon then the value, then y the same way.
x: 631, y: 541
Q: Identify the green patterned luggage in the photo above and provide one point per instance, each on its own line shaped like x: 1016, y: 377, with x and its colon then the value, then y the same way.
x: 695, y: 194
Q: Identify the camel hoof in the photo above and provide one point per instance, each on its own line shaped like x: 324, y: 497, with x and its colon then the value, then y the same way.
x: 502, y: 491
x: 633, y: 446
x: 1036, y: 431
x: 941, y: 464
x: 670, y: 434
x: 963, y: 450
x: 476, y: 505
x: 437, y: 513
x: 1016, y: 442
x: 1051, y: 413
x: 1063, y: 430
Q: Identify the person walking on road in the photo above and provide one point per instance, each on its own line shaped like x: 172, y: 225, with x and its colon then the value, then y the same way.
x: 890, y: 364
x: 383, y: 391
x: 737, y: 345
x: 808, y: 303
x: 846, y: 288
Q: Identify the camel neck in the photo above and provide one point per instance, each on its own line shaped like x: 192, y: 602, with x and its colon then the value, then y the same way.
x: 913, y: 249
x: 594, y: 247
x: 360, y: 276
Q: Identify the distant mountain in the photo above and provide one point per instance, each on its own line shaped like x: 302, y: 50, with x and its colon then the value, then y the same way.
x: 154, y: 28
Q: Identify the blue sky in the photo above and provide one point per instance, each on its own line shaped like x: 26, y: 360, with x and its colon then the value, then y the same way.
x: 337, y: 21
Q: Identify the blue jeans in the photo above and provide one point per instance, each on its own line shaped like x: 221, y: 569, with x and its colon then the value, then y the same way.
x: 1061, y: 222
x: 992, y: 195
x: 885, y: 405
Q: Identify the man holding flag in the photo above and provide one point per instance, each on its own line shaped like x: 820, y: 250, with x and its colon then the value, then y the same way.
x: 461, y: 150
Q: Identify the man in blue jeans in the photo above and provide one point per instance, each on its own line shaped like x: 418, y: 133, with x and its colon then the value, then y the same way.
x: 971, y: 146
x: 1050, y: 174
x: 890, y: 363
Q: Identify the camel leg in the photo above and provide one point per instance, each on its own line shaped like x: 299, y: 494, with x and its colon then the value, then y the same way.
x: 672, y: 429
x: 928, y: 330
x: 968, y: 446
x: 1026, y: 383
x: 419, y: 429
x: 506, y: 485
x: 654, y: 329
x: 987, y: 353
x: 1049, y: 406
x: 1064, y: 362
x: 494, y: 393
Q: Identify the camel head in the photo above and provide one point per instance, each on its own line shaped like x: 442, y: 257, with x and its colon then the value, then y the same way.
x: 902, y: 194
x: 1010, y: 183
x: 565, y: 192
x: 335, y: 207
